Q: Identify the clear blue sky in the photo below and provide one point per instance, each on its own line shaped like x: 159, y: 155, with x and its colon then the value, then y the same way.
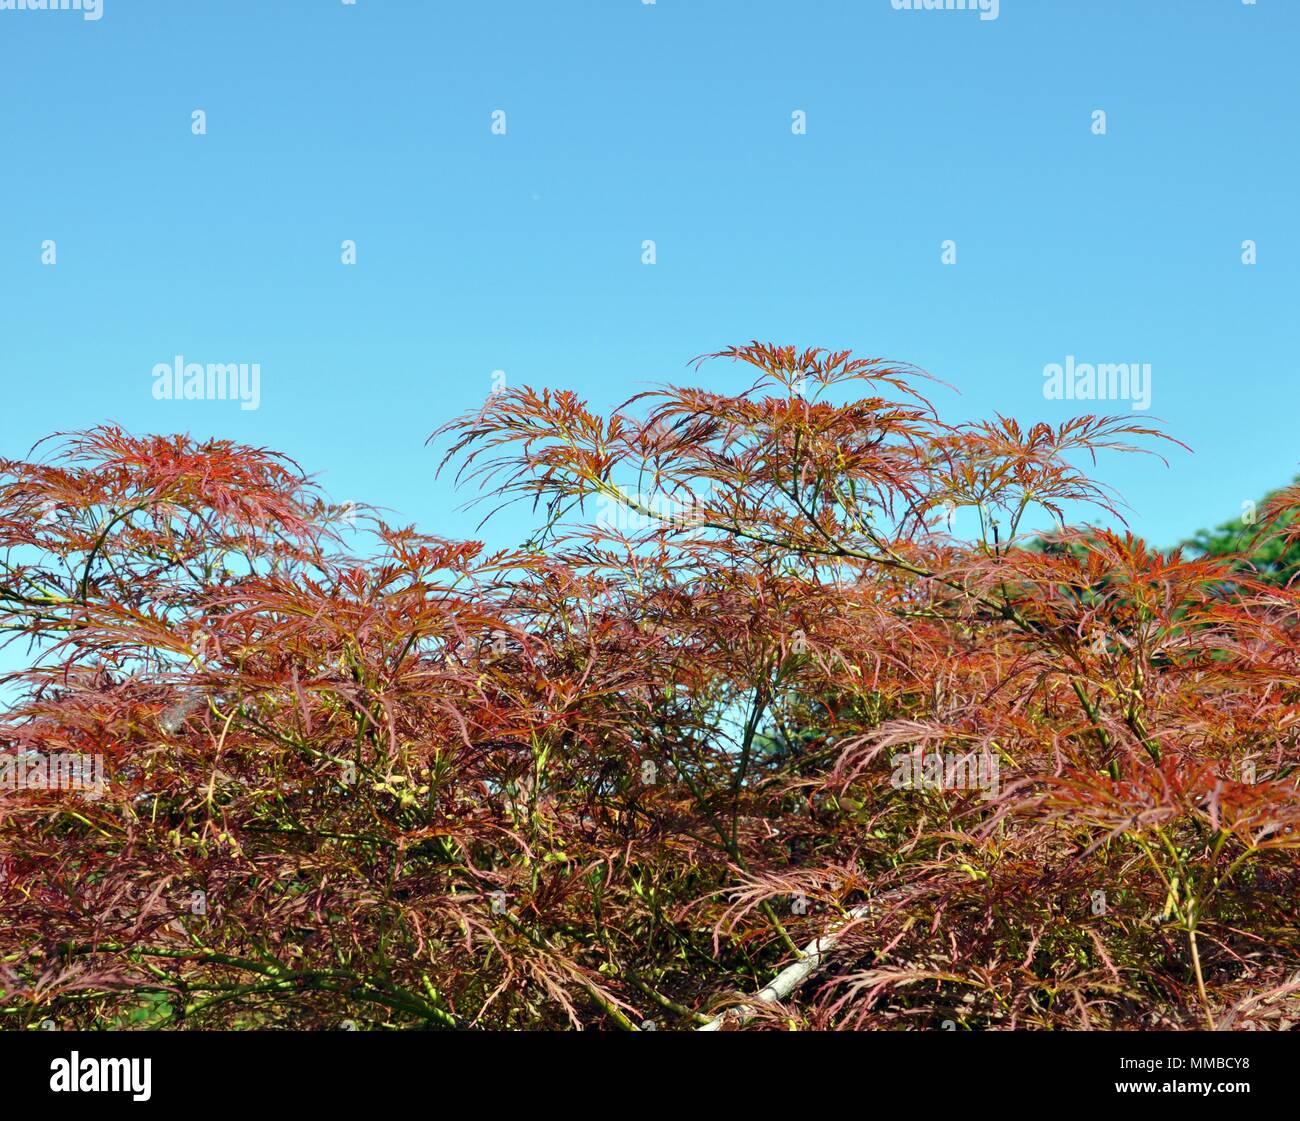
x: 625, y: 122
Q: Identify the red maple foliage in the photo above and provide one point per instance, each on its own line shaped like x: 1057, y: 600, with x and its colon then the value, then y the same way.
x: 744, y: 737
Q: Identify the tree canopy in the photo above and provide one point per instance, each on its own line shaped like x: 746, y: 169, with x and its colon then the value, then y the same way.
x: 744, y: 738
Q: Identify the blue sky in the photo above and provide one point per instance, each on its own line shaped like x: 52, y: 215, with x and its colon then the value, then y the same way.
x: 628, y: 121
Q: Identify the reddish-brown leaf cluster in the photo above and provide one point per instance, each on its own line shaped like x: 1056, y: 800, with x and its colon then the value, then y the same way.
x: 745, y: 710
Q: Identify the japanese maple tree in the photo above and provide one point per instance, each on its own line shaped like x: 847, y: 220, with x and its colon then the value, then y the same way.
x: 671, y: 763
